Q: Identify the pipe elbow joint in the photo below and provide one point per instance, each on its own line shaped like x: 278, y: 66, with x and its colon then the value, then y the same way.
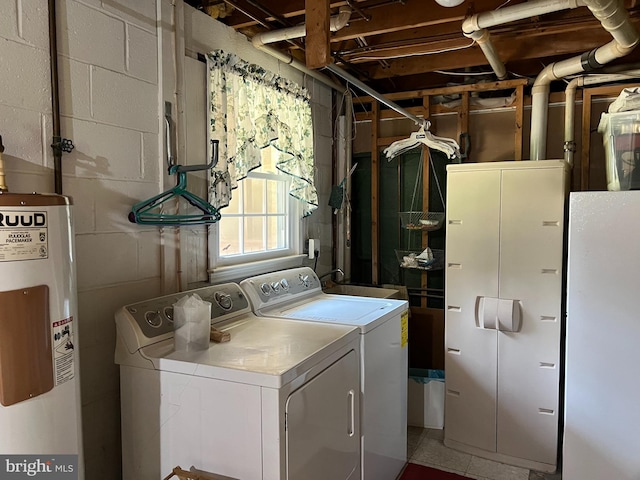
x: 257, y: 41
x: 341, y: 20
x: 470, y: 26
x: 479, y: 36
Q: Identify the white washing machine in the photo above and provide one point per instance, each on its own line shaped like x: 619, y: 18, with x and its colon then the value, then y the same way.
x: 279, y: 401
x: 383, y: 324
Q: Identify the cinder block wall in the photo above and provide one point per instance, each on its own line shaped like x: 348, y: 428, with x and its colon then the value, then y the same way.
x: 117, y: 67
x: 109, y: 89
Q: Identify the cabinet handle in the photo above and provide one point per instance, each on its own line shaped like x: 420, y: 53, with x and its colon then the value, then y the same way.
x: 351, y: 417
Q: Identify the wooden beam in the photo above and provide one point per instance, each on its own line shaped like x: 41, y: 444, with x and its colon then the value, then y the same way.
x: 375, y: 197
x: 426, y: 175
x: 519, y: 120
x: 586, y: 140
x: 395, y: 14
x: 317, y: 50
x: 475, y: 87
x: 463, y: 118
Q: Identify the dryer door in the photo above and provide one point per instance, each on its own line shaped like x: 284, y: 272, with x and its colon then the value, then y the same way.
x: 323, y: 432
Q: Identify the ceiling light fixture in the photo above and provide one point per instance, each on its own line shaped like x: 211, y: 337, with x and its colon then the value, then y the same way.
x: 449, y: 3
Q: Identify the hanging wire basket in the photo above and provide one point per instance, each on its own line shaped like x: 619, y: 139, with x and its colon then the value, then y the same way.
x: 425, y: 221
x: 428, y: 259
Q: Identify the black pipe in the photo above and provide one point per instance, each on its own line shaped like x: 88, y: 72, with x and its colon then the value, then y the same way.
x: 56, y: 146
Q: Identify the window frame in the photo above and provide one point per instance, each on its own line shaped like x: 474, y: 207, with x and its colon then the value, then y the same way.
x: 292, y: 221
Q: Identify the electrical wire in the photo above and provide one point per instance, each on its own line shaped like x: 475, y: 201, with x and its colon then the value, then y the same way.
x: 391, y: 57
x: 463, y: 74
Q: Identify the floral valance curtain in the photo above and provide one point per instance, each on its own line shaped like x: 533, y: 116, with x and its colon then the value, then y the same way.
x: 250, y: 109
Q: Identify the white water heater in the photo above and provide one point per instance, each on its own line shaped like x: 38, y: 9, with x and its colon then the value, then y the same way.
x: 39, y: 378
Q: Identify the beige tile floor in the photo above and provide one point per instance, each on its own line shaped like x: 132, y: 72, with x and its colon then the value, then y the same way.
x: 426, y: 448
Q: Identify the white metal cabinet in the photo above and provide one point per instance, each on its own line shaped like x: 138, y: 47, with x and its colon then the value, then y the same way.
x: 504, y: 241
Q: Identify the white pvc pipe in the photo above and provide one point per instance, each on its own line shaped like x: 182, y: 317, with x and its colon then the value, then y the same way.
x: 615, y: 19
x: 483, y: 40
x: 539, y: 112
x: 569, y: 117
x: 516, y: 12
x: 570, y: 107
x: 474, y: 27
x: 335, y: 23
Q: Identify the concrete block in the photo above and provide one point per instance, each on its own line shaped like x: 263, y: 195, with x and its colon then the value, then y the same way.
x: 323, y: 152
x: 75, y: 87
x: 142, y: 61
x: 141, y: 13
x: 99, y: 264
x: 322, y: 121
x: 121, y: 100
x: 81, y: 191
x: 24, y: 76
x: 9, y: 20
x: 34, y: 22
x: 152, y: 162
x: 22, y: 136
x: 114, y: 200
x: 103, y: 151
x: 90, y: 36
x: 96, y: 308
x: 101, y: 437
x: 149, y: 254
x: 320, y: 93
x: 21, y: 182
x: 103, y: 378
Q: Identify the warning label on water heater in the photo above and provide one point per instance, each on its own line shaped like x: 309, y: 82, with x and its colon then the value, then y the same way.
x: 23, y: 236
x: 63, y: 349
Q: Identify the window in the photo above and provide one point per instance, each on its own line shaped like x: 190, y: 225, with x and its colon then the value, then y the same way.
x: 264, y: 180
x: 261, y: 221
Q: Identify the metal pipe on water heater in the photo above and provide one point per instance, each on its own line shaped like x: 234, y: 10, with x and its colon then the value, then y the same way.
x: 55, y: 99
x: 3, y: 185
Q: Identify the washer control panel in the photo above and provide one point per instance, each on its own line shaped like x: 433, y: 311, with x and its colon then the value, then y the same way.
x: 272, y: 288
x: 154, y: 317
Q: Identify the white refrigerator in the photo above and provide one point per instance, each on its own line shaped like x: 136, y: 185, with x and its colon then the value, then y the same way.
x: 602, y: 383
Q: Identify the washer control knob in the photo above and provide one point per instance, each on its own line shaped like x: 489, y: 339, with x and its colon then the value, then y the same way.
x: 168, y: 312
x: 284, y: 284
x: 275, y: 286
x: 266, y: 288
x: 304, y: 279
x: 224, y: 300
x: 153, y: 318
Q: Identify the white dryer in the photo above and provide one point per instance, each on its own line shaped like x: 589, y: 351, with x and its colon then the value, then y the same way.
x: 383, y: 324
x: 280, y: 401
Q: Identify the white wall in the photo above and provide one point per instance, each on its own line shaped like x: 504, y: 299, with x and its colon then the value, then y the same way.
x: 117, y: 67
